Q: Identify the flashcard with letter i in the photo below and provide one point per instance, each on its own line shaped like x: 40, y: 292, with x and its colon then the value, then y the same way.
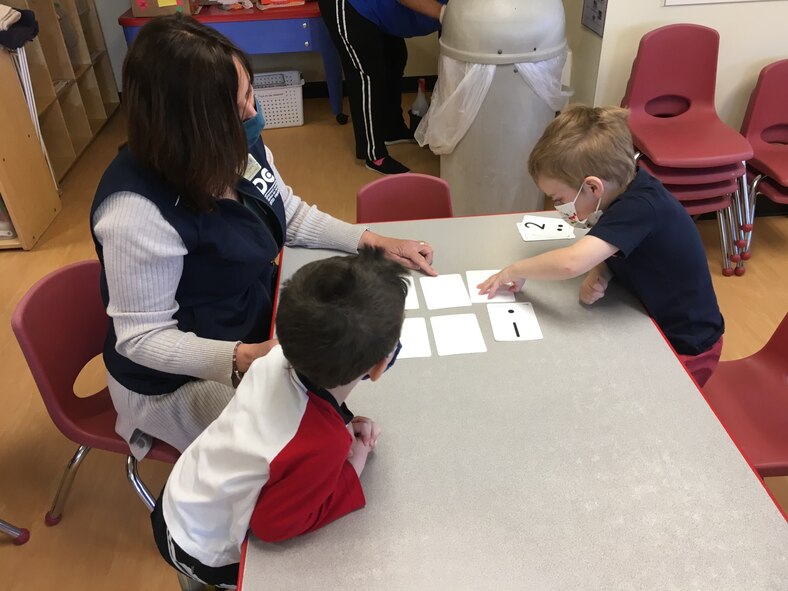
x: 514, y: 322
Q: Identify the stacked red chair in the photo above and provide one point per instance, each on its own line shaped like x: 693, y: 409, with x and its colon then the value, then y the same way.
x: 19, y: 534
x: 679, y: 138
x: 766, y: 128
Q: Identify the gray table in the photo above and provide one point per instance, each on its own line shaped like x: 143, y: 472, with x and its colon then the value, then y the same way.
x: 587, y: 460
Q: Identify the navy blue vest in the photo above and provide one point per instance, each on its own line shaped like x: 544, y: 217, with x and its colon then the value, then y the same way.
x: 226, y: 288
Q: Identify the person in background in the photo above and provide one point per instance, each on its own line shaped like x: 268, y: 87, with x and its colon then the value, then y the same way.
x: 370, y: 37
x: 640, y: 234
x: 187, y: 222
x: 285, y: 456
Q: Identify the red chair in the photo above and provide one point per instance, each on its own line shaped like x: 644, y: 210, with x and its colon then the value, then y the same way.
x: 61, y: 325
x: 750, y: 397
x: 691, y: 176
x: 674, y: 124
x: 772, y: 191
x: 689, y: 193
x: 670, y: 96
x: 20, y: 535
x: 409, y: 196
x: 765, y: 125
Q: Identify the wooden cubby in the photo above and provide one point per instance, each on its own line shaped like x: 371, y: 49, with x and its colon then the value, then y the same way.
x: 75, y: 94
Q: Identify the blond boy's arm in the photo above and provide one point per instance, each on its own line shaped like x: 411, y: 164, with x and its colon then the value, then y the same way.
x: 563, y: 263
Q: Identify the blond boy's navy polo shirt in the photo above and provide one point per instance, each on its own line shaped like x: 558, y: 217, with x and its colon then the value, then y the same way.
x: 661, y: 259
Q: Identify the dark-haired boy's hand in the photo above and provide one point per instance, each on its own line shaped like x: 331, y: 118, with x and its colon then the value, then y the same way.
x: 408, y: 253
x: 357, y: 456
x: 367, y: 430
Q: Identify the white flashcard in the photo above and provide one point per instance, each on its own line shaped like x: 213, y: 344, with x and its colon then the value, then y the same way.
x: 475, y: 278
x: 457, y: 334
x: 543, y: 228
x: 514, y: 322
x: 414, y: 339
x: 411, y: 300
x: 444, y: 291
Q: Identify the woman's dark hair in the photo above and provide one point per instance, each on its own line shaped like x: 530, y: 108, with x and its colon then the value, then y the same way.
x: 338, y: 317
x: 180, y: 91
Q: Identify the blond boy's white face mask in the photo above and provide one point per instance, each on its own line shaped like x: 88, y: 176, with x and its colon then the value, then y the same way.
x: 569, y: 213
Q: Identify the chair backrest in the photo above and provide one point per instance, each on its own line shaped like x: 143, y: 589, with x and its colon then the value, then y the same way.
x: 766, y: 118
x: 675, y: 68
x: 775, y: 352
x: 61, y: 324
x: 409, y: 196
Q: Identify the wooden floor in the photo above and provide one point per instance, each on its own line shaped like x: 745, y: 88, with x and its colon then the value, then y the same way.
x: 104, y: 540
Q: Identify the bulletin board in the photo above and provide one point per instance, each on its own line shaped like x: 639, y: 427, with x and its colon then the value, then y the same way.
x: 593, y: 17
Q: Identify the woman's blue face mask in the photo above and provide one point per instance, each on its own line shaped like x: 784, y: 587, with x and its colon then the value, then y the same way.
x: 253, y: 126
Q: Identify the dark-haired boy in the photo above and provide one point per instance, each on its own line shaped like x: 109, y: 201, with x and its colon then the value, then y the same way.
x: 285, y: 456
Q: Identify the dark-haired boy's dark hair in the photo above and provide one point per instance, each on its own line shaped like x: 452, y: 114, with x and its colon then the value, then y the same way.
x: 338, y: 317
x: 180, y: 94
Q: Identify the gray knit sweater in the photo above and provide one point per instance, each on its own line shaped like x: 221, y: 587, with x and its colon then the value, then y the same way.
x: 143, y: 260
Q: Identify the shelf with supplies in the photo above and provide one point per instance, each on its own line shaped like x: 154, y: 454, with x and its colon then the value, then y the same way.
x: 75, y: 94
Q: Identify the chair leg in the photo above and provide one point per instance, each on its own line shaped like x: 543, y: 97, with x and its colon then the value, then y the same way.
x: 188, y: 584
x: 739, y: 218
x: 139, y: 486
x: 55, y: 513
x: 733, y: 233
x: 753, y: 194
x: 20, y: 535
x: 727, y: 271
x: 747, y: 222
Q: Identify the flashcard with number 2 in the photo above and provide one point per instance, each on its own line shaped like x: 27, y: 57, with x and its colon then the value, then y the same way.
x: 542, y: 228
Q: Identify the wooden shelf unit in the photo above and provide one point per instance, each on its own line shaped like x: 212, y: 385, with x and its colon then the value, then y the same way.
x: 75, y: 94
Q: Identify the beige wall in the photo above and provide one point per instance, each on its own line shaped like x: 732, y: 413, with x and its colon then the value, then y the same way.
x: 752, y: 35
x: 422, y: 60
x: 586, y: 49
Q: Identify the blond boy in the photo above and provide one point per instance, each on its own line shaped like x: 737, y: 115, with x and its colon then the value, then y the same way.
x: 639, y: 233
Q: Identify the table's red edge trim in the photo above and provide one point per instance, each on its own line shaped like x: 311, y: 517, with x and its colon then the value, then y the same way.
x: 242, y: 565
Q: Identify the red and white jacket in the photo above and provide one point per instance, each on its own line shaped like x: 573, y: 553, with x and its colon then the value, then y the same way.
x: 275, y: 462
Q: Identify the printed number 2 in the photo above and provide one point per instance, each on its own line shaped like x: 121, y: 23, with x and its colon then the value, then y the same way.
x: 540, y: 226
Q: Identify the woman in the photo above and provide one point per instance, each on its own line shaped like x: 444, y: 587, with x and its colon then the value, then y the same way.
x: 187, y: 221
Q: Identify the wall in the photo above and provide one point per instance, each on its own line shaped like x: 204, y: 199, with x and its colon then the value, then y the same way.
x: 751, y: 36
x: 108, y: 13
x: 422, y: 60
x: 586, y: 49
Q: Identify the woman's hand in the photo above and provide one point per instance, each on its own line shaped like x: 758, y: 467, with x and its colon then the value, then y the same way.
x: 248, y: 352
x: 408, y: 253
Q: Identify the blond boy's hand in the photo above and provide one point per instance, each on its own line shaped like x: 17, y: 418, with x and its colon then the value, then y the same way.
x: 593, y: 287
x: 504, y: 280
